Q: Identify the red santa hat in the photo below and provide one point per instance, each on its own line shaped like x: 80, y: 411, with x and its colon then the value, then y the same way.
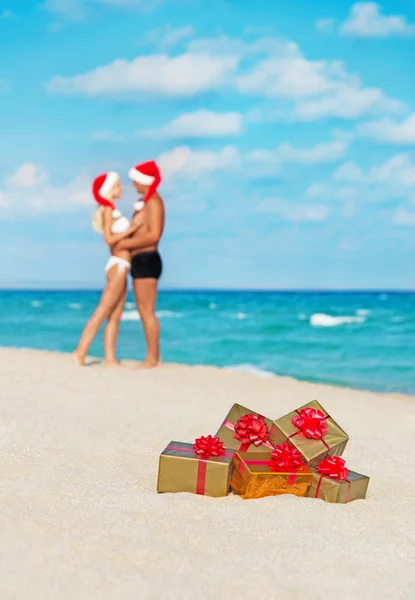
x: 102, y: 188
x: 148, y: 174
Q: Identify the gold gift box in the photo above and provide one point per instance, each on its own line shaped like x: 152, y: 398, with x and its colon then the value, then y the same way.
x: 227, y: 435
x: 181, y: 470
x: 259, y: 480
x: 313, y: 451
x: 341, y: 491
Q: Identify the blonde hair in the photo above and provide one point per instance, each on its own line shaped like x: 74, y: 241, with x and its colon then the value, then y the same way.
x: 98, y: 219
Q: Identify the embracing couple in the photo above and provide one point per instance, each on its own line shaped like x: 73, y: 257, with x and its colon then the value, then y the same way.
x: 134, y: 248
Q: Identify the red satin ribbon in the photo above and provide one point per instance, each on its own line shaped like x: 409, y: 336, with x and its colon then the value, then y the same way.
x: 284, y: 458
x: 250, y: 429
x: 311, y: 423
x: 333, y: 467
x: 203, y: 445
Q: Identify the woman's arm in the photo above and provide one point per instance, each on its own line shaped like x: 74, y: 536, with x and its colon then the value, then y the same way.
x: 154, y: 229
x: 112, y: 238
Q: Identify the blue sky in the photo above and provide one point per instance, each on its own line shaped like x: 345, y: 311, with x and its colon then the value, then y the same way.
x: 285, y: 132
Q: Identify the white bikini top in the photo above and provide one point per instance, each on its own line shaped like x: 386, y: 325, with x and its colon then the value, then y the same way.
x: 121, y: 223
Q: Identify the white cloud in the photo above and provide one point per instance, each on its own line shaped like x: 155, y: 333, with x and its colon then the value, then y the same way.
x: 173, y: 36
x: 290, y: 77
x: 346, y: 102
x: 404, y: 218
x: 224, y: 45
x: 392, y: 179
x: 29, y: 190
x: 397, y: 171
x: 386, y: 130
x: 365, y: 20
x: 311, y: 89
x: 319, y: 89
x: 201, y: 123
x: 75, y: 10
x: 286, y: 153
x: 66, y: 9
x: 193, y: 163
x: 182, y: 75
x: 348, y: 172
x: 28, y: 175
x: 325, y: 25
x: 291, y: 211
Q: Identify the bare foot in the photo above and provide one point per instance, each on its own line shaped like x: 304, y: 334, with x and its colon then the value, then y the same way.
x: 113, y: 363
x: 148, y: 364
x: 78, y: 360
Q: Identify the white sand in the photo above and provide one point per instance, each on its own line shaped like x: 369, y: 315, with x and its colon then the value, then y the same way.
x: 80, y: 517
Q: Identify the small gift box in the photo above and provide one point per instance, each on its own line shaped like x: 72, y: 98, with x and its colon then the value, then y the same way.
x: 270, y: 474
x: 245, y: 430
x: 312, y: 431
x: 200, y: 468
x: 333, y: 482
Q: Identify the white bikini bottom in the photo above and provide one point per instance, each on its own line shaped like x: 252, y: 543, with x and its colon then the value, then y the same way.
x: 123, y: 265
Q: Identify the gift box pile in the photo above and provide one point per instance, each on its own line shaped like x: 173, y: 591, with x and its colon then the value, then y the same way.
x: 254, y: 457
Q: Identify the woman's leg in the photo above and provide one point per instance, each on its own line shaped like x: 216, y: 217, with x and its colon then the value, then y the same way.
x: 116, y: 282
x: 145, y: 292
x: 111, y: 331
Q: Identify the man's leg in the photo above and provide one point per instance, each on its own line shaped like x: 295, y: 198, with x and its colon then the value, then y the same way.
x: 145, y: 293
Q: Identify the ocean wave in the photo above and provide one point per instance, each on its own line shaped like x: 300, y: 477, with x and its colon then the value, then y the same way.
x: 130, y: 305
x: 132, y: 315
x: 36, y: 304
x: 213, y: 305
x: 323, y: 320
x: 302, y: 317
x: 240, y: 316
x: 249, y: 368
x: 169, y: 313
x: 75, y: 306
x: 362, y: 312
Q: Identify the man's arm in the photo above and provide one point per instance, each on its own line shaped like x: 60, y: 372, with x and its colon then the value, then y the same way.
x: 149, y: 237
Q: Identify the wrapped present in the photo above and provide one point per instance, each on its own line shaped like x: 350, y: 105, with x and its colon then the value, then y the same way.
x: 312, y: 431
x: 333, y: 482
x: 200, y: 468
x: 245, y: 430
x: 270, y: 474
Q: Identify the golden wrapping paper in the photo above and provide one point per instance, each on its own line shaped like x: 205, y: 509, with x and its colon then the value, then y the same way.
x: 313, y: 451
x: 181, y: 470
x: 337, y: 490
x: 257, y: 481
x: 228, y: 436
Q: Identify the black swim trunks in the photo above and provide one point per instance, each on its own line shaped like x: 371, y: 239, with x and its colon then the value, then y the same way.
x: 146, y: 265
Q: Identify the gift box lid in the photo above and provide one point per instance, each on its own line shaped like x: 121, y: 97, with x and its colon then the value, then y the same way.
x: 185, y: 450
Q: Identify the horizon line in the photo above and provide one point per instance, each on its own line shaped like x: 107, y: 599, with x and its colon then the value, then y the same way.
x: 221, y: 290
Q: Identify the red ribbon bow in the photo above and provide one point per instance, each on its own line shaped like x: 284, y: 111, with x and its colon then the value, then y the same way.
x: 208, y: 446
x: 312, y: 423
x: 334, y: 467
x: 251, y: 429
x: 287, y: 457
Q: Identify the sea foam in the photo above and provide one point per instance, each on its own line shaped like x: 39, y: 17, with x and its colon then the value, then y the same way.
x: 249, y: 368
x: 323, y: 320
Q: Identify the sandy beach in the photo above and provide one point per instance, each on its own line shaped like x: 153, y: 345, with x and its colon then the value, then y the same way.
x: 80, y: 516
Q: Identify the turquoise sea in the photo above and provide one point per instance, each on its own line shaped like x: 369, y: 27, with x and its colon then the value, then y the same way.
x: 354, y: 339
